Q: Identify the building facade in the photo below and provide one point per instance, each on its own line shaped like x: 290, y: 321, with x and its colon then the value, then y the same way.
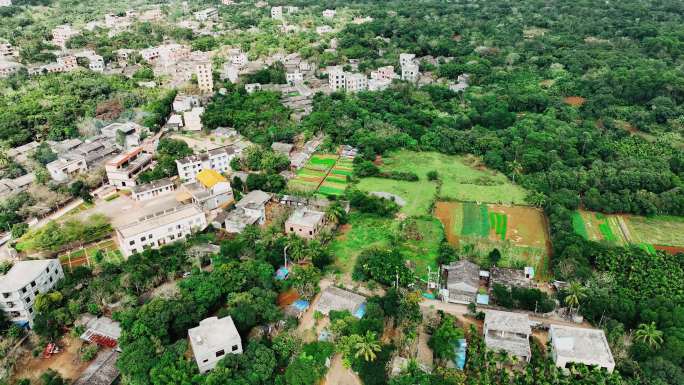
x: 305, y: 223
x: 212, y: 340
x: 152, y: 189
x: 123, y: 169
x: 157, y: 230
x: 205, y: 81
x: 217, y: 159
x: 22, y: 283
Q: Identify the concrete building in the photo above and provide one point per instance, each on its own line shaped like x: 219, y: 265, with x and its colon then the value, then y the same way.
x: 384, y: 73
x: 410, y: 73
x: 250, y: 210
x: 205, y: 81
x: 5, y: 3
x: 230, y: 72
x: 323, y: 29
x: 193, y: 119
x: 151, y: 190
x: 125, y: 135
x: 67, y: 63
x: 150, y: 54
x: 252, y: 87
x: 277, y: 13
x: 62, y: 33
x: 579, y: 345
x: 509, y: 332
x: 211, y: 191
x: 6, y: 50
x: 378, y: 84
x: 212, y: 340
x: 511, y: 277
x: 183, y: 102
x: 206, y: 14
x: 406, y: 59
x: 334, y: 298
x: 217, y: 159
x: 282, y: 148
x: 294, y: 77
x: 7, y: 68
x: 305, y: 223
x: 462, y: 282
x: 9, y: 187
x: 101, y: 371
x: 355, y: 82
x: 238, y: 58
x: 124, y: 168
x: 329, y: 13
x: 64, y: 168
x: 152, y: 231
x: 22, y: 283
x: 336, y: 78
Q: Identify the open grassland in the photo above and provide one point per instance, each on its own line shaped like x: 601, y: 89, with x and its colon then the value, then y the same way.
x: 416, y: 238
x: 464, y: 178
x: 519, y: 232
x: 659, y: 230
x: 418, y: 195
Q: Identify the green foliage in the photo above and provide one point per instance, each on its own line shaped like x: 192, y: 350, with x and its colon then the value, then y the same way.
x: 445, y: 337
x: 54, y: 236
x: 273, y: 74
x: 168, y: 151
x: 522, y: 298
x: 384, y: 266
x: 158, y: 111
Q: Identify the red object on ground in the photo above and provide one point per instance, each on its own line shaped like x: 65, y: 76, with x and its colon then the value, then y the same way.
x: 103, y: 341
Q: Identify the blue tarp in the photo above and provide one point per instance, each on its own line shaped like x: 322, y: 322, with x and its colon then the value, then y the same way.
x: 429, y: 295
x: 301, y: 304
x: 483, y: 299
x: 324, y: 336
x: 460, y: 350
x: 282, y: 273
x: 361, y: 311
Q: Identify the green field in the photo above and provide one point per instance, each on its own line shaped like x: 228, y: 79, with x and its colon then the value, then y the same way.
x: 462, y: 177
x: 658, y: 230
x: 323, y: 173
x: 418, y: 196
x: 366, y: 231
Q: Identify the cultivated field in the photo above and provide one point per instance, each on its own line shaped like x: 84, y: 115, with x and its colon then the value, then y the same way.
x: 519, y: 232
x: 324, y: 173
x: 464, y: 178
x: 650, y: 233
x: 109, y: 252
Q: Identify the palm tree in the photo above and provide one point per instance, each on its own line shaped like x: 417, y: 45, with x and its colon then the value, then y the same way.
x: 335, y: 213
x: 367, y: 346
x: 516, y: 169
x: 576, y: 293
x: 649, y: 334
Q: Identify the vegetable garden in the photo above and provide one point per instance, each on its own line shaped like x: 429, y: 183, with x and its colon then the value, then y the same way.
x: 323, y: 173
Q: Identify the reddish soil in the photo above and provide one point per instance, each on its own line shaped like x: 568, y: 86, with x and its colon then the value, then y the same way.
x: 670, y: 249
x: 312, y: 179
x: 575, y: 101
x: 343, y: 230
x: 444, y: 212
x: 526, y: 225
x: 67, y: 362
x: 287, y: 298
x: 378, y: 160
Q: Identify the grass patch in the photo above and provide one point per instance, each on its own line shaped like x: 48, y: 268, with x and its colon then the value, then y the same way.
x: 418, y: 196
x: 463, y: 178
x: 110, y: 198
x: 657, y: 230
x: 327, y: 190
x: 578, y: 225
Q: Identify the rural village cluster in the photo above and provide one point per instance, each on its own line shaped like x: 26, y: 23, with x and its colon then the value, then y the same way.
x: 210, y: 200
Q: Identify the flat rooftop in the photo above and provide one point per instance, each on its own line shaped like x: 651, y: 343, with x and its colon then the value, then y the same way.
x: 22, y: 273
x: 213, y: 334
x: 159, y: 219
x: 587, y: 346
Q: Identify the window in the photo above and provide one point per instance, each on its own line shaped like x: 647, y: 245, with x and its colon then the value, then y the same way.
x: 50, y: 279
x: 205, y: 360
x: 220, y: 353
x: 291, y: 228
x: 30, y: 310
x: 33, y: 284
x: 5, y: 295
x: 23, y: 290
x: 310, y: 232
x: 131, y: 242
x: 234, y: 348
x: 142, y: 239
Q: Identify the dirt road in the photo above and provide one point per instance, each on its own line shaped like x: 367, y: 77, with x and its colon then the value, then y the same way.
x: 339, y: 375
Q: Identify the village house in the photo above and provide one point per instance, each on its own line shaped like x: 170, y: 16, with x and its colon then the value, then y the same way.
x: 509, y: 332
x: 183, y: 102
x: 151, y: 190
x: 581, y: 346
x: 103, y: 331
x: 124, y: 168
x: 355, y: 82
x: 101, y: 371
x: 462, y: 282
x: 155, y: 230
x: 75, y: 157
x: 211, y: 190
x: 193, y: 119
x: 230, y: 72
x: 217, y: 159
x: 277, y: 13
x: 61, y: 34
x: 334, y: 298
x: 125, y: 135
x: 66, y: 167
x: 205, y: 81
x: 7, y: 68
x: 212, y: 340
x: 305, y: 223
x: 6, y: 50
x: 238, y: 58
x: 252, y: 87
x: 511, y: 277
x: 206, y: 14
x: 336, y: 78
x: 153, y: 14
x: 5, y: 3
x: 329, y: 13
x: 250, y: 210
x: 282, y: 148
x: 362, y: 20
x: 22, y: 283
x: 10, y: 187
x: 410, y: 73
x: 323, y: 29
x: 294, y: 77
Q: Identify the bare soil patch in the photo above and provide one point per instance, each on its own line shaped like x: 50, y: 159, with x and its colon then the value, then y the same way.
x: 575, y: 101
x: 67, y: 362
x: 444, y: 212
x: 670, y: 249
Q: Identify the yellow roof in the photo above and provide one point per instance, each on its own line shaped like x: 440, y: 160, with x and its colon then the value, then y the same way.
x: 209, y: 178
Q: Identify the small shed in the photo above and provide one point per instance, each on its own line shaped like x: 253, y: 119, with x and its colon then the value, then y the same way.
x: 334, y: 298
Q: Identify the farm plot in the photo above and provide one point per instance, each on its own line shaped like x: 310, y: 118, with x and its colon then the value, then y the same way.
x: 519, y: 232
x: 323, y: 173
x: 418, y: 196
x: 650, y: 233
x: 88, y: 255
x: 464, y: 178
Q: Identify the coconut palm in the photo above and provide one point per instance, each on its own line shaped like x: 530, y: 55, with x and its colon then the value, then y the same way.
x: 649, y: 334
x: 335, y: 213
x: 367, y: 346
x: 576, y: 293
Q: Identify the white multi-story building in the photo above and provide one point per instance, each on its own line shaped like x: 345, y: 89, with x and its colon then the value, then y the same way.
x: 164, y: 227
x: 277, y: 13
x: 124, y: 168
x: 7, y: 68
x: 5, y: 3
x: 6, y: 50
x: 211, y: 190
x: 323, y: 29
x: 150, y: 54
x: 61, y: 34
x: 230, y: 72
x: 406, y: 59
x: 384, y: 73
x: 329, y: 13
x: 239, y: 59
x: 336, y: 78
x: 22, y: 283
x: 355, y: 82
x: 212, y: 340
x: 205, y: 80
x: 294, y: 77
x: 410, y: 73
x: 96, y: 63
x: 217, y: 159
